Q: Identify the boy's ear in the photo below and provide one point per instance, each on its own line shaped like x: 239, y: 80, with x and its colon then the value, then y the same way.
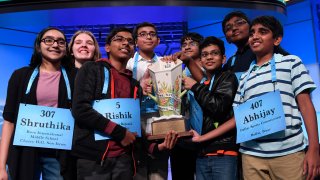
x: 158, y: 41
x: 224, y: 58
x: 107, y: 48
x: 228, y: 40
x: 277, y: 41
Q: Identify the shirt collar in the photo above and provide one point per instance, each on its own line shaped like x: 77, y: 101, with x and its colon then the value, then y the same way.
x: 140, y: 58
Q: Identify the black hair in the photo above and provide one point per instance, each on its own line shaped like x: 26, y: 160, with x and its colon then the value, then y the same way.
x: 144, y: 24
x: 36, y: 57
x: 212, y: 40
x: 271, y: 23
x: 231, y: 15
x: 276, y: 28
x: 193, y: 36
x: 280, y: 50
x: 115, y: 31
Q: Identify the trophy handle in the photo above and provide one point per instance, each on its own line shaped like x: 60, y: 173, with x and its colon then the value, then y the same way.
x: 153, y: 97
x: 183, y: 93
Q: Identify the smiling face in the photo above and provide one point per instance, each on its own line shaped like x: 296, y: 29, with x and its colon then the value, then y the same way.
x: 261, y: 40
x: 146, y: 41
x: 236, y: 30
x: 190, y: 48
x: 83, y: 48
x: 55, y: 52
x: 211, y: 58
x: 121, y: 47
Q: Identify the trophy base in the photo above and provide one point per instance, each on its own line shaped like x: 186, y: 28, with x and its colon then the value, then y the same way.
x: 162, y: 136
x: 161, y: 127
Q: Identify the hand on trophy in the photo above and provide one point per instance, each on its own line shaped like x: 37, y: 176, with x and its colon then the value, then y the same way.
x: 178, y: 55
x: 169, y: 141
x: 146, y: 83
x: 188, y: 82
x: 195, y: 136
x: 129, y: 138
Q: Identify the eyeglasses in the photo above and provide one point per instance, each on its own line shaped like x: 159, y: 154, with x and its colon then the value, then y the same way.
x: 236, y: 23
x: 212, y: 53
x: 50, y: 42
x: 122, y: 39
x: 191, y: 44
x: 145, y: 34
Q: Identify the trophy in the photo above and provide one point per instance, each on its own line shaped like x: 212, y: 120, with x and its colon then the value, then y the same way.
x: 166, y: 79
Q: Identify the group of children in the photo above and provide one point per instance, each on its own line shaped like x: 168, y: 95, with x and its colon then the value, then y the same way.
x: 260, y: 66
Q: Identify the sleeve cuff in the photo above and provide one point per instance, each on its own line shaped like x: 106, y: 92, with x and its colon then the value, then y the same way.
x: 153, y: 149
x: 116, y: 131
x: 195, y: 87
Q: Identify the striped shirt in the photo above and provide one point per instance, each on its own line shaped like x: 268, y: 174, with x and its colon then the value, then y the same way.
x: 292, y: 79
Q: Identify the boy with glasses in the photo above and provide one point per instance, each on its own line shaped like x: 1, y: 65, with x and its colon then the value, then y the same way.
x: 217, y: 157
x: 235, y: 26
x: 104, y: 159
x: 146, y: 38
x: 183, y: 156
x: 102, y: 80
x: 190, y: 47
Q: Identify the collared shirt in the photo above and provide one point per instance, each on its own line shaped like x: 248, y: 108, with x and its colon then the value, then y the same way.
x: 292, y: 79
x: 147, y: 104
x: 142, y: 65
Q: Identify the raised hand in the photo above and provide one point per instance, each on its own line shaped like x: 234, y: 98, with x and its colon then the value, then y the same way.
x: 174, y: 57
x: 188, y: 82
x: 146, y: 83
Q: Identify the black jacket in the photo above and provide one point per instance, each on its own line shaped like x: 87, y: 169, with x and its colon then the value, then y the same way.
x: 217, y: 108
x: 88, y: 87
x: 21, y: 160
x: 242, y: 61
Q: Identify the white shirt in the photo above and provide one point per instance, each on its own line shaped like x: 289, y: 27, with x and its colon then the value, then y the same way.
x: 142, y: 65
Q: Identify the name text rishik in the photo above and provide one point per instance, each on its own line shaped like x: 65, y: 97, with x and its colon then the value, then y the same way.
x: 119, y: 115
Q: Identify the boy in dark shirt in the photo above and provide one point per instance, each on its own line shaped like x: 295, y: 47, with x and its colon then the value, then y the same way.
x: 217, y: 158
x: 103, y: 80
